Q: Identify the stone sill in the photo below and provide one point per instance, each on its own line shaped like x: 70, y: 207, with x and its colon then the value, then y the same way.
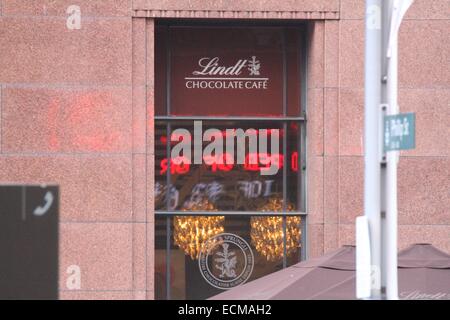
x: 225, y: 14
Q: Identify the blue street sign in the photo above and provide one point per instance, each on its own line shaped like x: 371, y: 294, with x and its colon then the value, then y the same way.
x: 399, y: 132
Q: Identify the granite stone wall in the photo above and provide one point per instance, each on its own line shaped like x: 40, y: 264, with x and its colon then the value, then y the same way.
x: 76, y: 109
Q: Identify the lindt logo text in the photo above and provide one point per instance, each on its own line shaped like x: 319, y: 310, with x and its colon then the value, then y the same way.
x: 241, y: 75
x: 210, y: 66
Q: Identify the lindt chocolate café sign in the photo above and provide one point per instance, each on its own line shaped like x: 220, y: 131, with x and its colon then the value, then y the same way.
x: 212, y: 75
x: 226, y: 71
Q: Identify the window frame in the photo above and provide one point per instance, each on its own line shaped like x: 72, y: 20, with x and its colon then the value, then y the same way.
x: 302, y: 137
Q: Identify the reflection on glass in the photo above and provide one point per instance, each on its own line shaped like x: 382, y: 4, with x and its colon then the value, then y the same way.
x: 268, y: 239
x: 293, y: 163
x: 179, y: 268
x: 268, y: 232
x: 192, y: 232
x: 228, y: 185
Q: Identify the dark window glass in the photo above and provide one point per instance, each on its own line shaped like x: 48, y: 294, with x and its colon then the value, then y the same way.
x: 227, y: 185
x: 185, y: 280
x: 233, y: 80
x: 161, y: 258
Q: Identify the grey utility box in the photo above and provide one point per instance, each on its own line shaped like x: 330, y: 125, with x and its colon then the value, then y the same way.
x: 29, y: 242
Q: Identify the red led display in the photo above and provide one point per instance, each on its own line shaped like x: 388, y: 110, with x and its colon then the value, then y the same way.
x: 259, y: 161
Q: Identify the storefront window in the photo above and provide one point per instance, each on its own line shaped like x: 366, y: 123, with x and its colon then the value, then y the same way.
x: 229, y: 175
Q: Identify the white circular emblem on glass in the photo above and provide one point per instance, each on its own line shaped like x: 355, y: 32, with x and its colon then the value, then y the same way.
x: 226, y: 261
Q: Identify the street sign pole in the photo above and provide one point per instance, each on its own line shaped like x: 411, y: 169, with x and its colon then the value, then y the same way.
x: 384, y: 172
x: 384, y: 135
x: 393, y: 13
x: 372, y: 100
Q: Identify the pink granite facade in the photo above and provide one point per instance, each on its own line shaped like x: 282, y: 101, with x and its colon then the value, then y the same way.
x: 77, y: 110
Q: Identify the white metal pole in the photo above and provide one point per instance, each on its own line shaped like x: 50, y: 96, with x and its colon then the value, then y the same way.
x: 391, y: 188
x: 372, y: 111
x: 397, y: 10
x: 363, y: 263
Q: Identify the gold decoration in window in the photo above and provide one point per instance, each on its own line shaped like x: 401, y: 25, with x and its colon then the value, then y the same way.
x: 267, y: 231
x: 191, y: 232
